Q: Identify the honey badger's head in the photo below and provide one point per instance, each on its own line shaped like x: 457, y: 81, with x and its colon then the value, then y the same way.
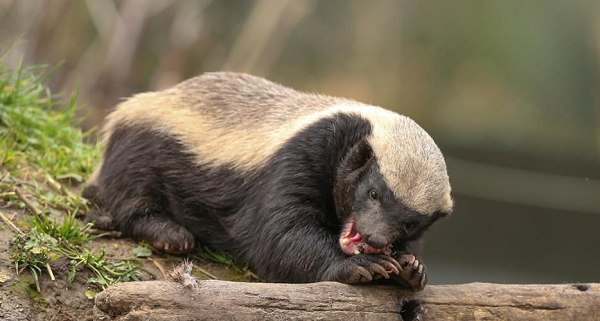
x: 391, y: 186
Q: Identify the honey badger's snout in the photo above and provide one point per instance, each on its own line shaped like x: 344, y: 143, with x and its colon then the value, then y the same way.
x: 376, y: 241
x: 376, y: 230
x: 378, y: 235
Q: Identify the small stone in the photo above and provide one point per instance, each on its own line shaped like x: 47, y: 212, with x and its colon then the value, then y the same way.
x: 5, y: 275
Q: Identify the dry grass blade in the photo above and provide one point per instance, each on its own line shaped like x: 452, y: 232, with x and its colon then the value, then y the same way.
x: 11, y: 224
x: 159, y: 266
x: 50, y: 272
x: 100, y: 233
x: 59, y: 187
x: 205, y: 272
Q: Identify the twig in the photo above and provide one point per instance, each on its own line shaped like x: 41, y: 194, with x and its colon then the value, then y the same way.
x: 100, y: 233
x: 205, y: 272
x: 253, y: 275
x: 62, y: 189
x: 27, y: 203
x: 50, y: 272
x: 59, y: 187
x: 114, y: 258
x: 159, y: 266
x: 11, y: 224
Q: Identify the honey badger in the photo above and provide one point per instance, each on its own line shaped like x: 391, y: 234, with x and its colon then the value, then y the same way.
x: 303, y: 187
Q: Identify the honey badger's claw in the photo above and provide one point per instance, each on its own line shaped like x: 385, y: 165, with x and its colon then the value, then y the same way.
x: 379, y: 269
x: 423, y: 281
x: 163, y: 233
x: 413, y: 272
x: 363, y: 268
x: 392, y: 264
x: 363, y: 275
x: 101, y: 219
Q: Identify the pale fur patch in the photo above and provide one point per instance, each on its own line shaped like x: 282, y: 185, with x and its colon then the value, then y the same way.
x: 93, y: 179
x: 411, y: 163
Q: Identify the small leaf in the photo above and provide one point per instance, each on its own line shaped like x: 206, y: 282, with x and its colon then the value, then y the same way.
x: 142, y: 251
x: 22, y: 224
x: 103, y: 282
x: 71, y: 275
x: 72, y: 176
x: 53, y: 256
x: 90, y: 294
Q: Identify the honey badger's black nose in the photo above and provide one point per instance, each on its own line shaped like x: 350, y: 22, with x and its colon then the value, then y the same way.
x: 375, y: 241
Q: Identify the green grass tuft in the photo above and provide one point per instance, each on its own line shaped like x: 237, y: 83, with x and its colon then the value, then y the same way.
x: 41, y: 148
x: 37, y: 130
x: 221, y: 257
x: 47, y: 241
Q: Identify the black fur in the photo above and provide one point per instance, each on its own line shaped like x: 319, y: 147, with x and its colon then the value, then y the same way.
x: 283, y: 219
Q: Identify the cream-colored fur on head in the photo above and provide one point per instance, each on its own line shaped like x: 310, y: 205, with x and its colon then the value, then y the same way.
x: 411, y: 163
x: 240, y: 121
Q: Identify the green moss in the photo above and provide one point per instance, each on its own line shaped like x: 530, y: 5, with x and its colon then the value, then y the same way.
x: 25, y: 287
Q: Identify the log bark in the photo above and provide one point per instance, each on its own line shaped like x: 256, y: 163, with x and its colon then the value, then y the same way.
x: 222, y: 300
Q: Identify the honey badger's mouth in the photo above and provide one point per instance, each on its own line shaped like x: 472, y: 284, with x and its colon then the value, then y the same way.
x: 351, y: 242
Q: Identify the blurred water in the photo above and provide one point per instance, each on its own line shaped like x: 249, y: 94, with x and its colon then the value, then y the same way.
x: 488, y: 241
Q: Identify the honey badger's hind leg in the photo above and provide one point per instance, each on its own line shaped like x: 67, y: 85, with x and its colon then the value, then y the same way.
x: 148, y: 219
x: 134, y: 188
x: 100, y: 219
x: 143, y: 219
x: 163, y: 234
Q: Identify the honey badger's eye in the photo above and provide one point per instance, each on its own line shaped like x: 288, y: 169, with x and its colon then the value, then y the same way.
x: 410, y: 225
x: 373, y: 194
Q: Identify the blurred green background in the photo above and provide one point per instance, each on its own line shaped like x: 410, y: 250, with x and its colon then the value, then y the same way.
x: 510, y: 90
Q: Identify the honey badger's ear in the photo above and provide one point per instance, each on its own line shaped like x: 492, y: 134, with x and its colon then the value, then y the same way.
x: 358, y: 156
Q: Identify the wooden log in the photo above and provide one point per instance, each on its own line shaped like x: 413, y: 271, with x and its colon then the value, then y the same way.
x: 222, y: 300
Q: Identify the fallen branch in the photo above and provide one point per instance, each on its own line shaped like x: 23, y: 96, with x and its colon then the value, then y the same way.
x: 164, y: 300
x: 28, y: 203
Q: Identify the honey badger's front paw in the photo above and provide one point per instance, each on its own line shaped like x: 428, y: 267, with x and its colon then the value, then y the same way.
x: 363, y: 268
x: 412, y: 274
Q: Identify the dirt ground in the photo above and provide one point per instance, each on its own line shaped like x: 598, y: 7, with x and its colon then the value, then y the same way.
x: 19, y: 299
